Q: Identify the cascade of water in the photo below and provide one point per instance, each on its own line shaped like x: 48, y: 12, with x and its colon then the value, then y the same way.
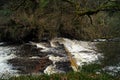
x: 78, y: 52
x: 6, y: 69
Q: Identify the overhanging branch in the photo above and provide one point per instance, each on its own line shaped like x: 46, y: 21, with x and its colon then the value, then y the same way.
x: 69, y: 1
x: 103, y: 7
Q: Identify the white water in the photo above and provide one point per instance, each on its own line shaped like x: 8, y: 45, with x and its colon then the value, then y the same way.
x: 83, y: 52
x: 6, y: 69
x: 57, y: 58
x: 52, y: 69
x: 112, y: 70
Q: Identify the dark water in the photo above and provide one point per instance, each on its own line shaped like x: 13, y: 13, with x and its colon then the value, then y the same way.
x: 110, y: 51
x: 111, y: 61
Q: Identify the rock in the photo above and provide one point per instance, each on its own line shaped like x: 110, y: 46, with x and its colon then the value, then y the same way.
x: 26, y: 65
x: 63, y: 66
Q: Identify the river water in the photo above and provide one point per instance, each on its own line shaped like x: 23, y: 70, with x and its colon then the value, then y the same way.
x: 47, y: 57
x: 5, y: 55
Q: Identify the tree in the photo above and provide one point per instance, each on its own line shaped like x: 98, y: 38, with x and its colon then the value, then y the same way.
x: 78, y: 19
x: 106, y: 5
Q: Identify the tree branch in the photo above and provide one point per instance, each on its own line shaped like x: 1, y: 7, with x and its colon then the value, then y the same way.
x: 16, y: 8
x: 103, y: 7
x: 70, y: 2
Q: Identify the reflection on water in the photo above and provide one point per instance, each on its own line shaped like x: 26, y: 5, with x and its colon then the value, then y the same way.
x: 110, y: 51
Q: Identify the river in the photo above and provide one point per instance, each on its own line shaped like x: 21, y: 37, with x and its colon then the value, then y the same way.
x: 48, y: 57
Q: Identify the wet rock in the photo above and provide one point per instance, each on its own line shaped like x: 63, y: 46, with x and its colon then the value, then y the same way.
x: 85, y: 51
x: 28, y: 50
x: 63, y: 66
x: 26, y: 65
x: 56, y: 52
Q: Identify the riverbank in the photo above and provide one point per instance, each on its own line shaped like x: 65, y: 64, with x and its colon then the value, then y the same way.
x: 87, y: 73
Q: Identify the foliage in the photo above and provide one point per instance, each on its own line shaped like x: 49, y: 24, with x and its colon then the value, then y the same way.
x: 76, y: 19
x: 88, y: 73
x: 43, y: 3
x: 114, y: 24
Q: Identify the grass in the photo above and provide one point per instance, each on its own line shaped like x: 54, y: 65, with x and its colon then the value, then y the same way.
x: 67, y: 76
x: 88, y: 72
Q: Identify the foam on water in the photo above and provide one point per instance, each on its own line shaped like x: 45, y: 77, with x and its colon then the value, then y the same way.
x: 5, y: 55
x: 52, y: 69
x: 112, y: 70
x: 1, y: 43
x: 82, y: 51
x: 57, y: 58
